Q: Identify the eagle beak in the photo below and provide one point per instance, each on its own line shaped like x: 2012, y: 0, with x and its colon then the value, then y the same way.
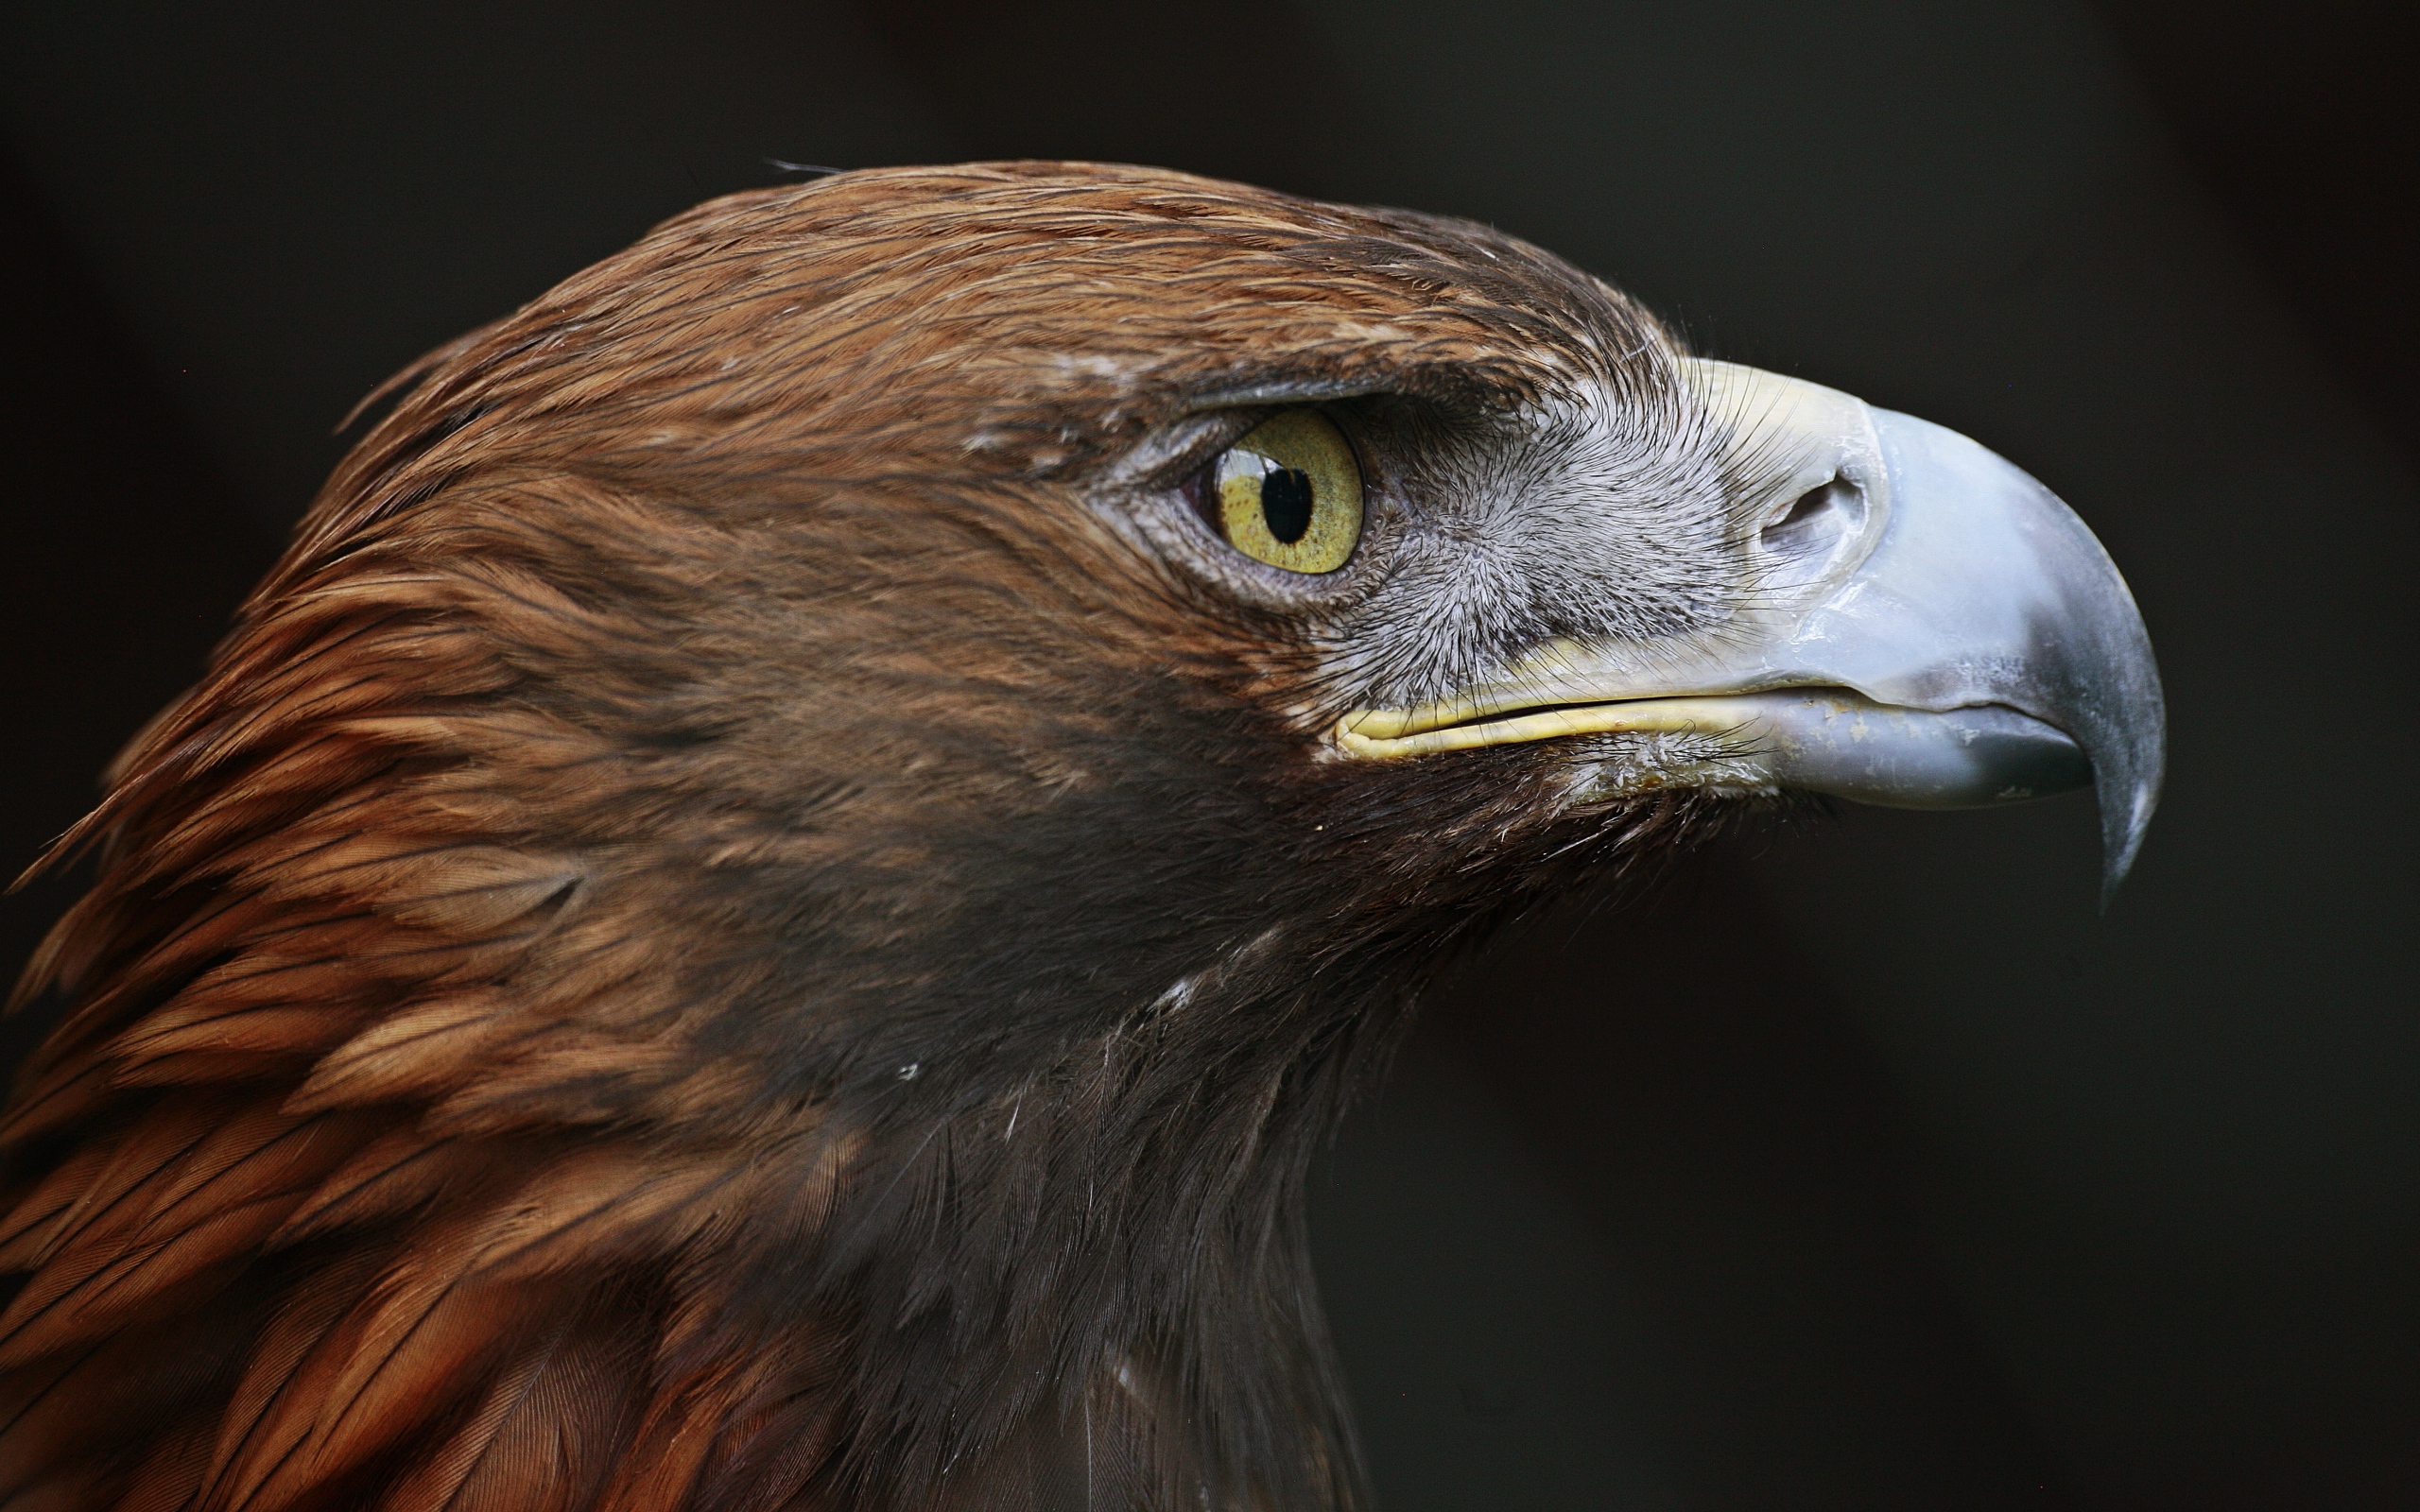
x: 1926, y: 626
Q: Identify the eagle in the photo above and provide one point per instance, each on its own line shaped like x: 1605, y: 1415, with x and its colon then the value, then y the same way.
x: 770, y: 906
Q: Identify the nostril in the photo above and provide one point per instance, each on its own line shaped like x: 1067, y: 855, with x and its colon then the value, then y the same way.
x: 1802, y: 508
x: 1814, y: 520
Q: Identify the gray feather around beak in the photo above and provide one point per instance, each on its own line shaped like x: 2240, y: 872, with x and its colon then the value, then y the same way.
x: 1927, y: 626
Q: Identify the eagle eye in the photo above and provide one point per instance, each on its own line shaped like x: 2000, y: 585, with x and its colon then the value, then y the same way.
x: 1288, y: 493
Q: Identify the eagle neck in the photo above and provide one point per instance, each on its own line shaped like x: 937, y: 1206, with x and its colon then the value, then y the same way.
x: 1093, y: 1271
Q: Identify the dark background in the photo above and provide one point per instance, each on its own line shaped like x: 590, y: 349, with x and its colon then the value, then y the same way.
x: 1867, y: 1168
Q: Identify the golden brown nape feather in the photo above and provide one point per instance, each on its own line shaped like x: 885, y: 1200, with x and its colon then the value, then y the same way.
x: 720, y: 936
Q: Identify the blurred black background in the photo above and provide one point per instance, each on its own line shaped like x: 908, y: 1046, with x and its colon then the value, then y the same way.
x: 1866, y: 1168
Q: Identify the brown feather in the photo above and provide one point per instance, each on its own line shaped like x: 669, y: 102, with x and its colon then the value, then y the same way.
x: 640, y: 979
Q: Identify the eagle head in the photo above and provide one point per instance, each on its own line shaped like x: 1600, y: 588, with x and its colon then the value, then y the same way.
x: 767, y: 906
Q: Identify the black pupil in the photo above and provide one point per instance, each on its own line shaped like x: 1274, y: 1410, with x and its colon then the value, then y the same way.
x: 1286, y: 503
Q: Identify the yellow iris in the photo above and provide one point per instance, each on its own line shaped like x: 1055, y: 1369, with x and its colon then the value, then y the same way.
x: 1289, y: 493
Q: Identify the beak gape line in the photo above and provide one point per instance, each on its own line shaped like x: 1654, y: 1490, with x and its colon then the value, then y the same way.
x: 1933, y: 628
